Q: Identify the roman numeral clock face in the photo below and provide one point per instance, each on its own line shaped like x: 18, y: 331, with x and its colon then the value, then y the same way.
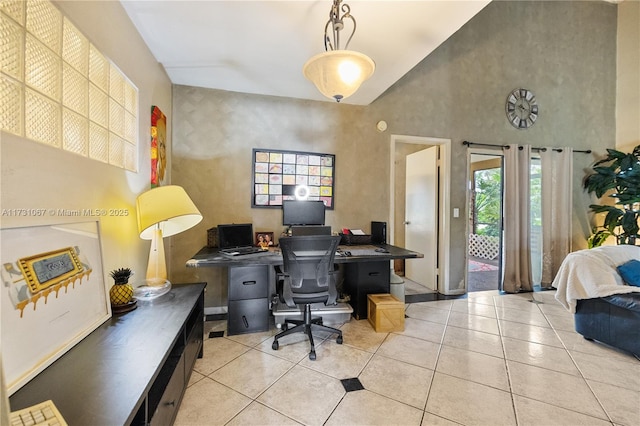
x: 522, y: 109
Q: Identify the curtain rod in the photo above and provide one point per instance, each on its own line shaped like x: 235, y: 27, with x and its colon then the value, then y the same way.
x: 467, y: 143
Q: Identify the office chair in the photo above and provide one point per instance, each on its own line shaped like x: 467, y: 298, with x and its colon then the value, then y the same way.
x: 308, y: 278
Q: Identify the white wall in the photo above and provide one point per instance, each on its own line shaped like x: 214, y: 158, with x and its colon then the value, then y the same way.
x: 34, y: 175
x: 628, y: 76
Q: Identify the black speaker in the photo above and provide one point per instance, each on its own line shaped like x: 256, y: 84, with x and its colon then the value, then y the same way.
x: 379, y: 232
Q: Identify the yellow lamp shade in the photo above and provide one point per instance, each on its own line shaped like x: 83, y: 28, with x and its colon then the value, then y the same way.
x: 169, y: 207
x: 338, y: 73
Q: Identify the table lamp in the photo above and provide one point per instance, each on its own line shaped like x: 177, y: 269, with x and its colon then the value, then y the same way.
x: 162, y: 211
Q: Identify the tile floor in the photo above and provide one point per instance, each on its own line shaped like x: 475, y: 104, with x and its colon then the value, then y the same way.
x: 488, y: 359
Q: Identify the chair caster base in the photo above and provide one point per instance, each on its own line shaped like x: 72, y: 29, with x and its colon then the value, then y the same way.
x: 339, y: 340
x: 275, y: 345
x: 312, y: 356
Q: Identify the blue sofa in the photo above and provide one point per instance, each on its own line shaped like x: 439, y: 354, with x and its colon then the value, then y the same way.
x: 614, y: 320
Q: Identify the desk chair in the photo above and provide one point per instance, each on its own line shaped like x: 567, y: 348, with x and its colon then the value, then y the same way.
x: 308, y: 278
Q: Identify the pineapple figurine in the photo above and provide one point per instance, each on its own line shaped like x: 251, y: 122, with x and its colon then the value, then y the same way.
x: 121, y: 294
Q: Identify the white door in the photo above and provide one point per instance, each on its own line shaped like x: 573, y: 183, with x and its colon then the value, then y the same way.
x: 421, y: 216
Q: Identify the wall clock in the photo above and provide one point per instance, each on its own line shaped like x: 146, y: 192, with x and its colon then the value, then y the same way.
x: 521, y: 108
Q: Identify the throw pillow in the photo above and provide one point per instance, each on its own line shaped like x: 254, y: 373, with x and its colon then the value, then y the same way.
x: 630, y: 272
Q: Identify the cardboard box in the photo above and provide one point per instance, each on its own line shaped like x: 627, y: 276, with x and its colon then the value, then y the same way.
x: 385, y: 313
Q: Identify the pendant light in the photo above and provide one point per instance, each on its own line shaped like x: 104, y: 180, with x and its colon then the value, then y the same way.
x: 338, y: 73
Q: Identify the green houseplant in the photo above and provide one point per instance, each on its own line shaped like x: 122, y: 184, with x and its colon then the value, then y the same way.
x: 618, y: 176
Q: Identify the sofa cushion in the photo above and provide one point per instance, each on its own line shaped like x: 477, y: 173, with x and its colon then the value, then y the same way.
x: 629, y: 301
x: 630, y: 272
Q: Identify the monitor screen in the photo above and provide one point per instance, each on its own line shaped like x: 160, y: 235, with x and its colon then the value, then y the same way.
x: 302, y: 212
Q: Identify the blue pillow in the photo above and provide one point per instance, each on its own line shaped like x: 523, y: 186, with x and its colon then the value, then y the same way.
x: 630, y: 272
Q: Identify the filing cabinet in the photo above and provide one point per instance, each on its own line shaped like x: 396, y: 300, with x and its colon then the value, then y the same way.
x: 363, y: 278
x: 248, y: 307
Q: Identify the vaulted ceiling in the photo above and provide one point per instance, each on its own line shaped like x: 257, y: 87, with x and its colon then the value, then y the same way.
x: 260, y: 47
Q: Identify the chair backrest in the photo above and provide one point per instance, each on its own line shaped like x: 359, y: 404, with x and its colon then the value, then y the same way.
x: 307, y: 264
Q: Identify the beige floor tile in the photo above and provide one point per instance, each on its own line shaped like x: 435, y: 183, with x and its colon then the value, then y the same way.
x: 612, y: 371
x: 483, y: 297
x: 532, y: 317
x: 531, y: 333
x: 548, y: 297
x: 553, y: 308
x: 425, y: 330
x: 467, y: 306
x: 252, y: 372
x: 536, y: 413
x: 433, y: 420
x: 472, y: 340
x: 397, y: 380
x: 426, y: 313
x: 257, y: 414
x: 469, y: 403
x: 539, y: 355
x: 474, y: 322
x: 209, y: 403
x: 520, y: 302
x: 195, y: 378
x: 561, y: 322
x: 622, y: 405
x: 368, y: 408
x: 409, y: 349
x: 559, y: 389
x: 361, y: 335
x: 339, y: 361
x: 473, y: 366
x: 304, y: 395
x: 254, y: 339
x: 218, y: 352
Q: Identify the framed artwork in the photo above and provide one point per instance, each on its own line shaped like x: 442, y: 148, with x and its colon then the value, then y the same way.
x: 264, y: 240
x: 158, y: 146
x: 53, y: 295
x: 290, y: 175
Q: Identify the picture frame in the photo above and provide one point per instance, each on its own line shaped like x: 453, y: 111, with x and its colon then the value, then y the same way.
x: 289, y: 175
x: 264, y: 240
x: 52, y: 294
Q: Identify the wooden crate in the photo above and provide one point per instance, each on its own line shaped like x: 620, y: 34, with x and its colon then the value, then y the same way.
x: 385, y: 313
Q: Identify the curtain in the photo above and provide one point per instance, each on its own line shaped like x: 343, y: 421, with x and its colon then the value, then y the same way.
x: 557, y: 185
x: 517, y: 222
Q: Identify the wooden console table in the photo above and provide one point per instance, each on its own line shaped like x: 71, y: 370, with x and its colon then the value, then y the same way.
x: 133, y: 369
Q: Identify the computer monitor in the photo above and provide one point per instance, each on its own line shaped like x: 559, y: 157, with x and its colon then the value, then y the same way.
x: 302, y: 212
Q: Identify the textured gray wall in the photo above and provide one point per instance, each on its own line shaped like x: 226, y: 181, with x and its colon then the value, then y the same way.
x: 565, y: 52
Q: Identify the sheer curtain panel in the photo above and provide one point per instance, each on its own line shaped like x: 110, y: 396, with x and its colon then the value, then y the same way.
x: 557, y: 184
x: 517, y: 222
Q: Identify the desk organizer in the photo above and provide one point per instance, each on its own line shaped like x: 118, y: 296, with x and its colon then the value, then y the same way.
x: 355, y: 240
x: 385, y: 313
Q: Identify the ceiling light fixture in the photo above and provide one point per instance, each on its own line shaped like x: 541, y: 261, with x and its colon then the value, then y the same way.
x: 338, y: 73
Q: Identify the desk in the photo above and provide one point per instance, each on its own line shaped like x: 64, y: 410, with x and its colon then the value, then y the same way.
x: 251, y: 280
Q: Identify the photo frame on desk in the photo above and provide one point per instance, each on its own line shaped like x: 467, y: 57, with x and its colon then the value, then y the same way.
x: 290, y: 175
x: 53, y: 295
x: 264, y: 240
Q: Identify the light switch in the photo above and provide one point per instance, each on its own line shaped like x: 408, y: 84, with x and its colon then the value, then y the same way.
x: 456, y: 212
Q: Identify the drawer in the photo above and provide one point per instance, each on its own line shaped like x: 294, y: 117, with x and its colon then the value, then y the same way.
x: 191, y: 352
x: 168, y: 405
x: 248, y: 282
x: 248, y: 316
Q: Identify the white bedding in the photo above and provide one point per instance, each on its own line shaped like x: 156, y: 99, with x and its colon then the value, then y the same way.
x: 589, y: 274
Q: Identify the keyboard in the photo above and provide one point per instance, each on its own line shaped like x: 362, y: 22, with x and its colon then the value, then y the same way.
x: 240, y: 251
x: 44, y: 413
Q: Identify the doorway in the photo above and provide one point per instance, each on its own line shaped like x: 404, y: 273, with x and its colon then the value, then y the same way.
x: 401, y: 147
x: 484, y: 246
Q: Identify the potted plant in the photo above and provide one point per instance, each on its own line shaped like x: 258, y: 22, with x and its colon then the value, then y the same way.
x: 122, y: 292
x: 618, y: 176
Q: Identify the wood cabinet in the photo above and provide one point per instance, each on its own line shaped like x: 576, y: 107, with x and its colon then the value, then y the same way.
x: 133, y: 369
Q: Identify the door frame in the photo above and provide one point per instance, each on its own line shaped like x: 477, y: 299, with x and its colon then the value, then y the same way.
x: 483, y: 151
x: 444, y: 209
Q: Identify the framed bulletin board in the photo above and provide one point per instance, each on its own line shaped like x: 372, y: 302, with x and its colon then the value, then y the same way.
x: 290, y: 175
x: 52, y: 295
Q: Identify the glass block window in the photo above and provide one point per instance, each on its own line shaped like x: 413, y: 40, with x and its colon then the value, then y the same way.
x: 58, y: 89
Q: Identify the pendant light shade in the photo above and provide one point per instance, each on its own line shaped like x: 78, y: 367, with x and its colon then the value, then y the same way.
x: 338, y: 73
